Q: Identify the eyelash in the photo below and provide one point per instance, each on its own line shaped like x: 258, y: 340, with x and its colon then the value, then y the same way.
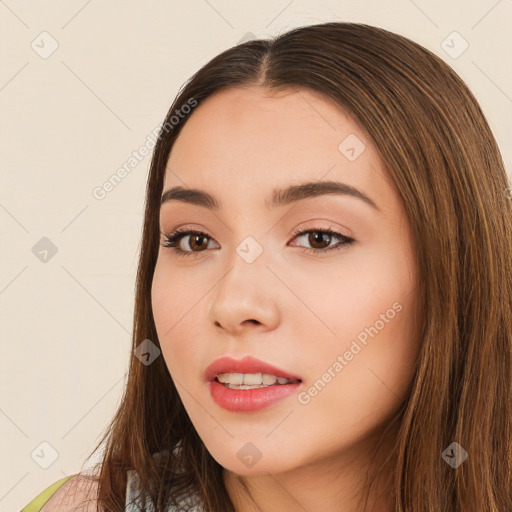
x: 173, y: 239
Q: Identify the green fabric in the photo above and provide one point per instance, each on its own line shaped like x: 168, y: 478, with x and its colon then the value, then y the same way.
x: 37, y: 503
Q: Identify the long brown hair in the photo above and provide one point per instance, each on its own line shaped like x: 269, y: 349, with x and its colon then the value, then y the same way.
x: 447, y: 168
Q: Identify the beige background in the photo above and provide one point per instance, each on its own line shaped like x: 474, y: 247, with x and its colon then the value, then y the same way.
x: 69, y: 120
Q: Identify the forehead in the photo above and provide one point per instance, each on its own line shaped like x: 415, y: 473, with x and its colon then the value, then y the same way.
x: 245, y: 142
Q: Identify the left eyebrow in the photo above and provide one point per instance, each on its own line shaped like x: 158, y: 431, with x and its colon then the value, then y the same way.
x: 279, y: 197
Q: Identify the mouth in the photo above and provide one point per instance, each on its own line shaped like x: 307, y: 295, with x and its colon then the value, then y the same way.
x: 248, y: 373
x: 249, y: 385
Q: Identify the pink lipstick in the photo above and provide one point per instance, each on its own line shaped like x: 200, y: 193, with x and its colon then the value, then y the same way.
x: 248, y: 384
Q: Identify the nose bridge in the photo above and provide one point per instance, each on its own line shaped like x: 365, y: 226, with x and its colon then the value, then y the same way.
x: 243, y: 291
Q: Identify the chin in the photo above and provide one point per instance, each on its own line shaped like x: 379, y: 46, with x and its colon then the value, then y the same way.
x: 248, y: 462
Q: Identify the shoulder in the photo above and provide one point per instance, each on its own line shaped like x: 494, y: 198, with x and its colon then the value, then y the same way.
x: 78, y: 493
x: 75, y: 493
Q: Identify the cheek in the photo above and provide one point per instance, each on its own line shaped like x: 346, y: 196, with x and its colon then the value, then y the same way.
x: 169, y: 304
x: 367, y: 363
x: 175, y: 302
x: 368, y: 295
x: 174, y: 296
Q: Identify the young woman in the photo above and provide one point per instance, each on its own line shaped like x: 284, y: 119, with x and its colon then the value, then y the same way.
x: 323, y: 315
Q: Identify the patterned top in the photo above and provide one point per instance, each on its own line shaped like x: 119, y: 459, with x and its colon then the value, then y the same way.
x: 135, y: 501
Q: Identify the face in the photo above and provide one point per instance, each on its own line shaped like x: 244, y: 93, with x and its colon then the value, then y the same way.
x: 318, y: 285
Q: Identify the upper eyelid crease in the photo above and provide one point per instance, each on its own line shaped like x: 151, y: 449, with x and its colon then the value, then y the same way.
x: 279, y: 197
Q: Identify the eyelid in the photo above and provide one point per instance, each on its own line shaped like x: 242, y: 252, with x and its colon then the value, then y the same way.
x: 315, y: 226
x: 311, y: 225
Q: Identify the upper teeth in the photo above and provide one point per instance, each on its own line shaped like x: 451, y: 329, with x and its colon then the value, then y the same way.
x: 251, y: 379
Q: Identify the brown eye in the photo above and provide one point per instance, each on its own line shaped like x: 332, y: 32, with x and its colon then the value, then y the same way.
x: 319, y: 239
x: 199, y: 242
x: 196, y: 244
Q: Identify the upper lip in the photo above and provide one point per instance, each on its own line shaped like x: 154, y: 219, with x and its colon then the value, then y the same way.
x: 248, y: 364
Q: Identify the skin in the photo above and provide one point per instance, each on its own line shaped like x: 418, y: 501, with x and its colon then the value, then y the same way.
x: 296, y: 310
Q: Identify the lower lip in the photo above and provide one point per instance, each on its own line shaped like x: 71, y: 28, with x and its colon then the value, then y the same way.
x: 250, y: 400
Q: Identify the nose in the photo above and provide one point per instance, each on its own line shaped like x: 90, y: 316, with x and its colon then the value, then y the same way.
x: 245, y: 298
